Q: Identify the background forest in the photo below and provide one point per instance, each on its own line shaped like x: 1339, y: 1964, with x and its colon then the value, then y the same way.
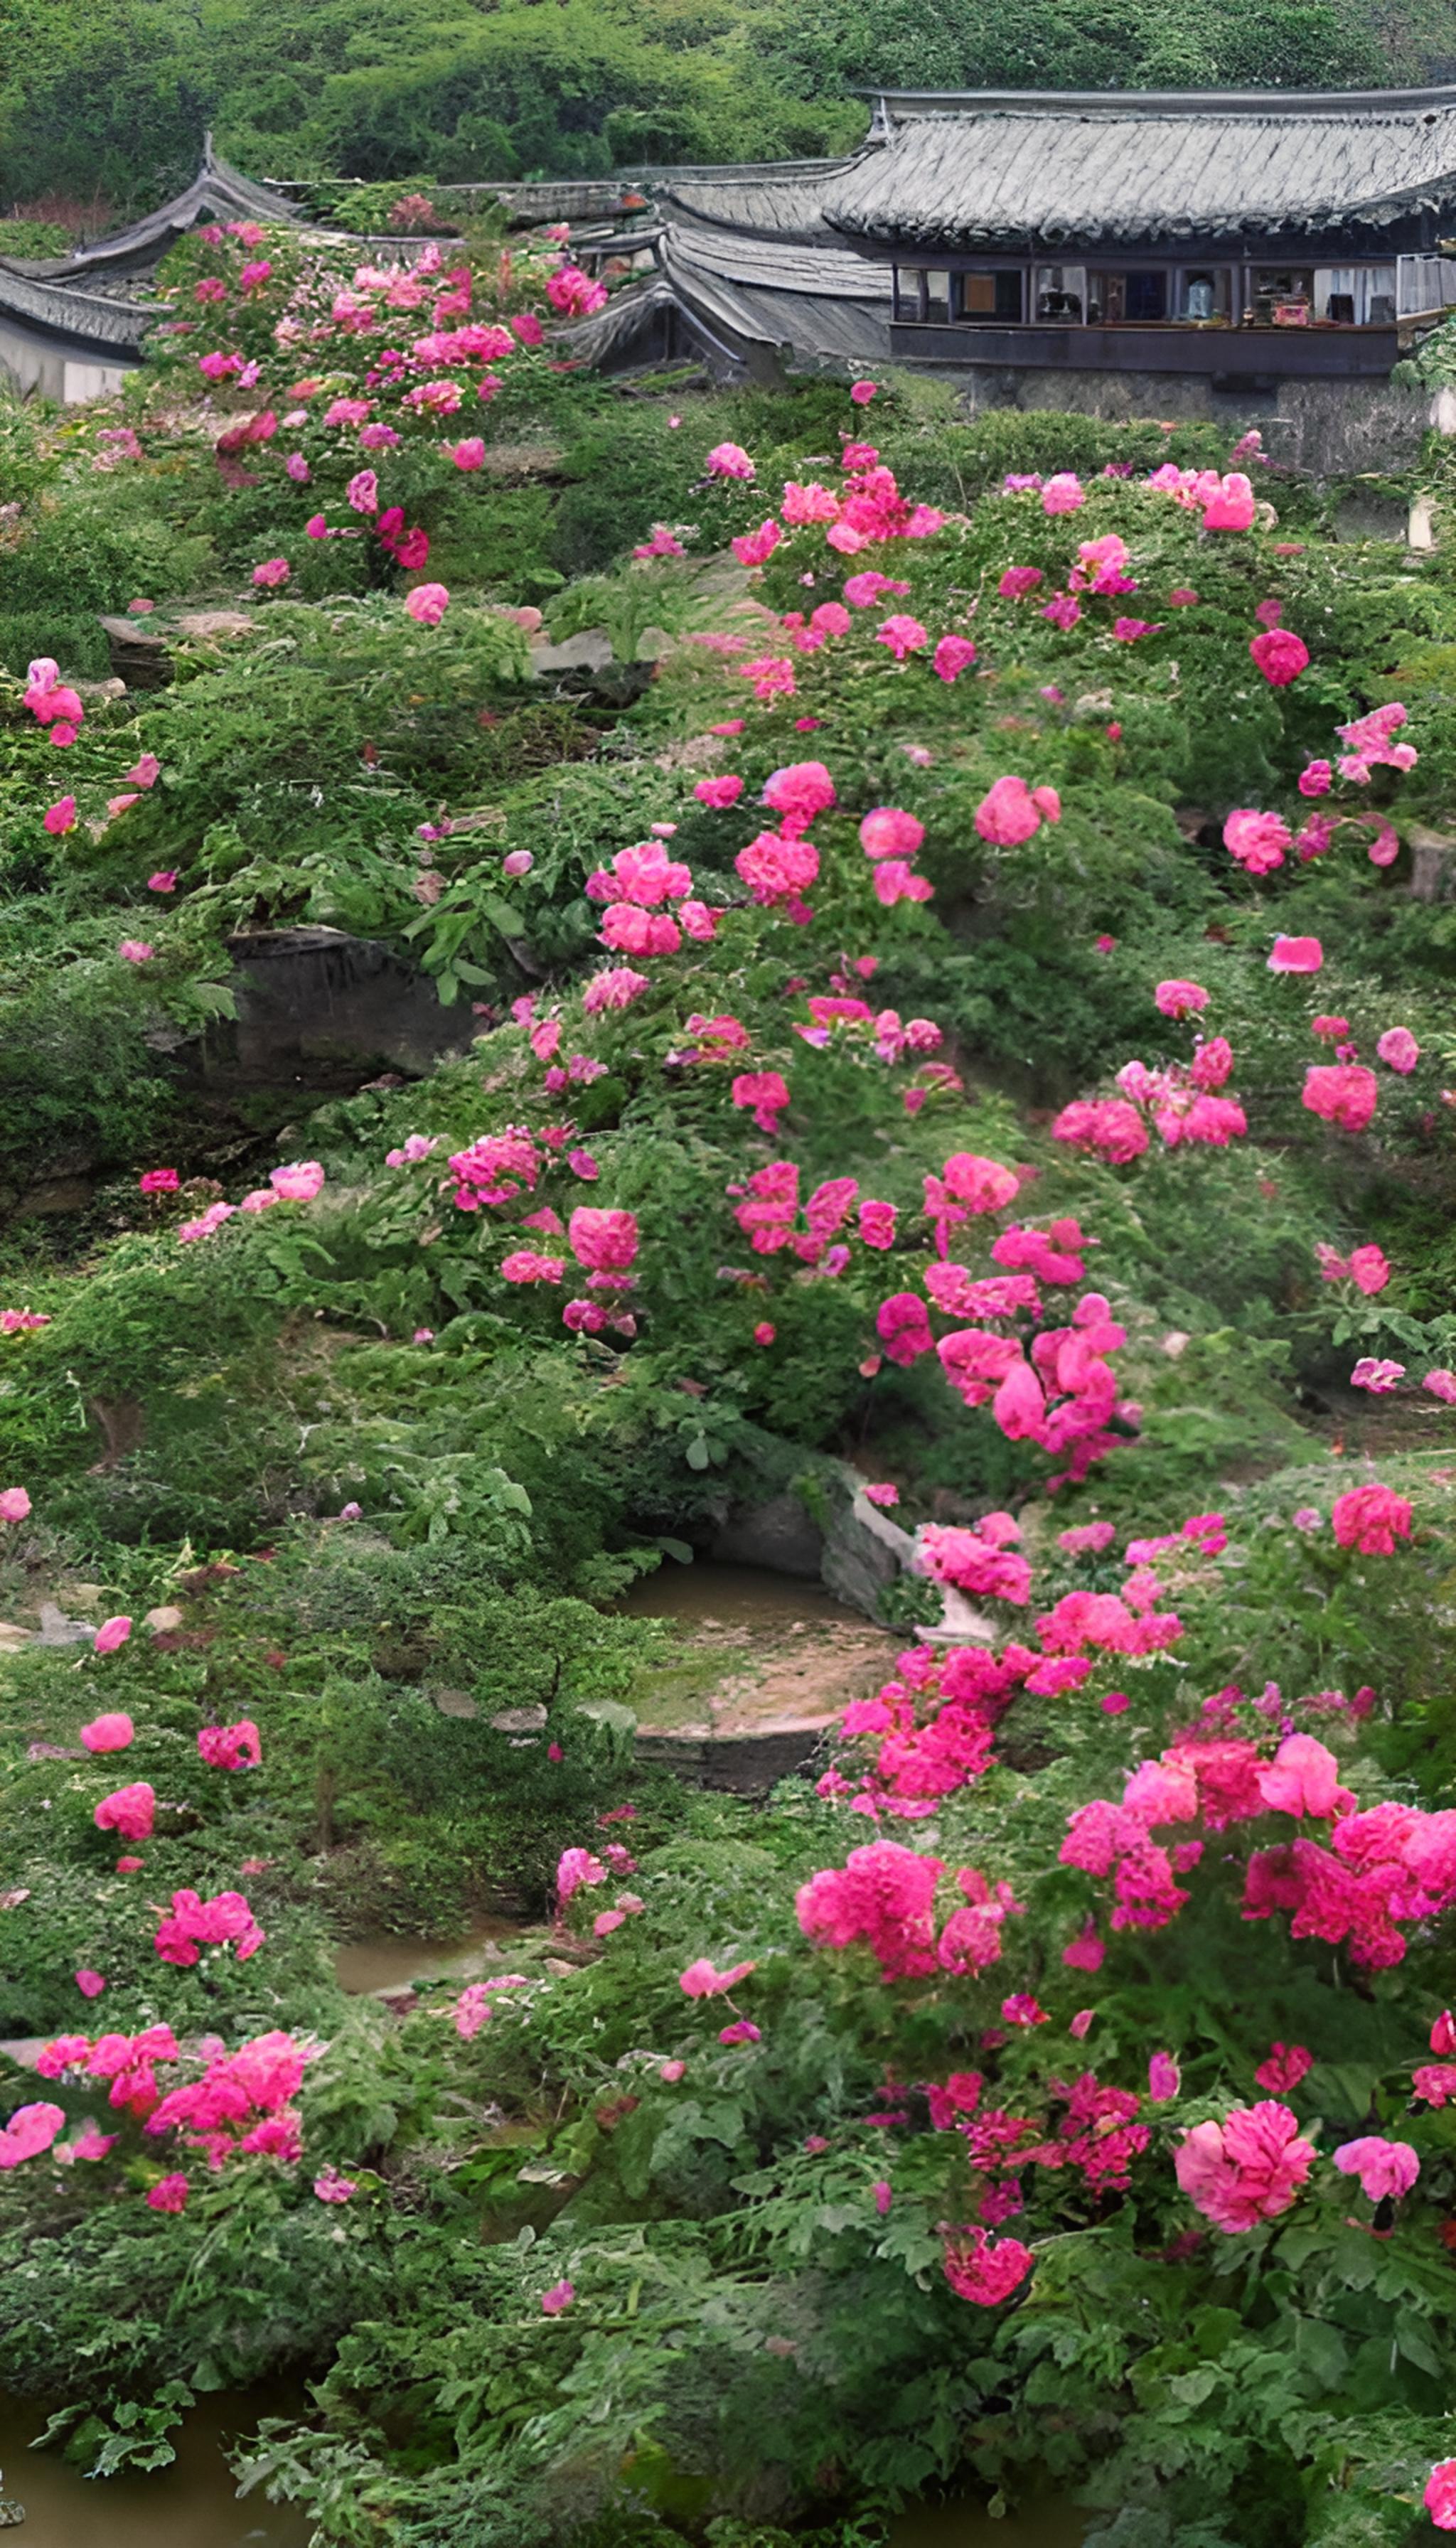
x: 104, y: 102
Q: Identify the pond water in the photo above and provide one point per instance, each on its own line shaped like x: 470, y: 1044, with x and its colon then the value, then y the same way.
x: 381, y: 1960
x: 191, y: 2504
x: 705, y: 1596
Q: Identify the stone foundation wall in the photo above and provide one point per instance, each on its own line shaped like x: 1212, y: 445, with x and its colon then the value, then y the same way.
x: 1331, y: 428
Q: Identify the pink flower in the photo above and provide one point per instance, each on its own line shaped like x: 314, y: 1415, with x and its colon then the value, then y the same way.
x: 1163, y: 2078
x: 1399, y: 1050
x: 299, y: 1182
x: 977, y: 2268
x: 134, y: 950
x: 61, y: 816
x: 1011, y: 812
x: 427, y: 603
x: 1280, y: 656
x: 272, y: 572
x: 110, y: 1634
x: 517, y: 863
x: 952, y: 656
x: 1377, y: 1376
x: 895, y: 882
x: 617, y: 988
x: 764, y: 1333
x: 1108, y: 1127
x: 169, y: 2196
x: 902, y: 634
x: 158, y: 1181
x: 1303, y: 1778
x: 1284, y: 2067
x: 1257, y: 841
x: 1371, y: 1519
x: 1315, y: 779
x: 1177, y: 999
x: 331, y: 2187
x: 90, y: 1984
x: 1018, y: 581
x: 888, y: 832
x: 468, y: 455
x: 230, y: 1747
x: 1442, y: 1385
x: 30, y: 2131
x: 1086, y: 1953
x: 883, y: 1496
x: 1296, y: 955
x: 764, y: 1093
x: 1384, y: 2168
x: 163, y: 880
x: 1439, y: 2498
x: 604, y: 1240
x: 1247, y: 2169
x: 127, y: 1811
x: 1232, y: 508
x: 561, y: 2295
x: 719, y: 793
x: 702, y: 1981
x: 574, y: 293
x: 1062, y: 495
x: 15, y: 1504
x: 755, y: 548
x: 861, y: 391
x: 1019, y: 2009
x: 672, y: 2071
x: 1342, y: 1093
x: 108, y: 1733
x: 742, y: 2031
x: 728, y: 460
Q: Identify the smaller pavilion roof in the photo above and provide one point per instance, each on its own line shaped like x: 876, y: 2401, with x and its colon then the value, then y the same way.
x: 216, y: 193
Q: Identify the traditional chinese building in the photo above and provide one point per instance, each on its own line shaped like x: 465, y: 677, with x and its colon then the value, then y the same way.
x: 1214, y: 234
x: 1125, y: 253
x: 72, y: 326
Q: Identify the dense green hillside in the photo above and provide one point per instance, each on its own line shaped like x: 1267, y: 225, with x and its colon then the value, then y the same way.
x: 113, y: 95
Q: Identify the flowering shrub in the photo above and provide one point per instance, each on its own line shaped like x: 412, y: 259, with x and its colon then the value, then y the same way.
x: 880, y: 1043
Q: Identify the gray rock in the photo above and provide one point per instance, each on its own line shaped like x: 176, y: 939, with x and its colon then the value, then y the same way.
x: 779, y: 1535
x: 589, y: 651
x: 312, y: 997
x: 734, y: 1765
x: 1432, y: 864
x: 57, y: 1630
x: 865, y: 1552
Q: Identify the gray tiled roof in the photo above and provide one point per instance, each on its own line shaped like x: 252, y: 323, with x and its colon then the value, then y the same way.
x: 92, y: 319
x: 1000, y: 170
x: 217, y: 192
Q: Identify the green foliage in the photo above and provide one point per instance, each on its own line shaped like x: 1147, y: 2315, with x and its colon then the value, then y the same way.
x: 115, y: 103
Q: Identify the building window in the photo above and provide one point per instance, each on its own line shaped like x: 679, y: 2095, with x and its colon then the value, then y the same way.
x: 1060, y: 295
x: 1354, y: 296
x: 1147, y: 297
x: 990, y: 298
x: 1206, y: 295
x: 1284, y: 296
